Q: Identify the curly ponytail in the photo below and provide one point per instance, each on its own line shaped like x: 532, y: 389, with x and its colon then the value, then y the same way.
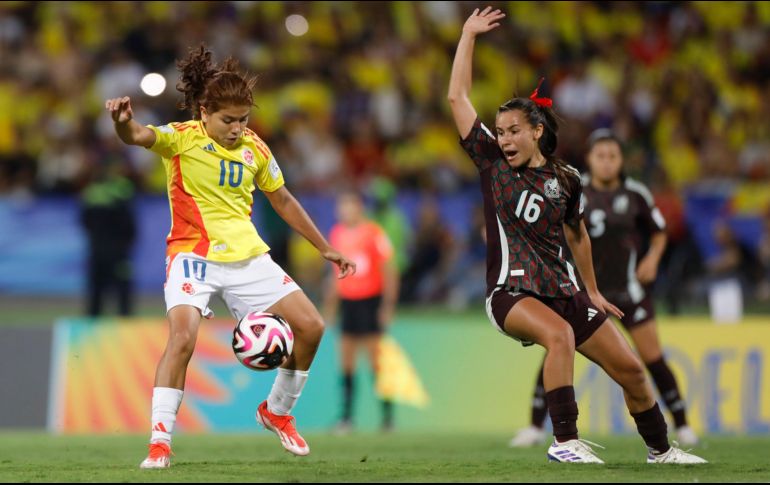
x: 203, y: 83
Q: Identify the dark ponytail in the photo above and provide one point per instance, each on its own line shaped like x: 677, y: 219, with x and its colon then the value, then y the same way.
x: 549, y: 140
x: 203, y: 83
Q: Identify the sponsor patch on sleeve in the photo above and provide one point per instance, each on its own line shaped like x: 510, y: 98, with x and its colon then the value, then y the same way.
x: 275, y: 171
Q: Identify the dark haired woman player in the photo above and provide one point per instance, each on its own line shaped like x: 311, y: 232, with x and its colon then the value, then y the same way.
x: 532, y: 200
x: 622, y: 218
x: 213, y: 164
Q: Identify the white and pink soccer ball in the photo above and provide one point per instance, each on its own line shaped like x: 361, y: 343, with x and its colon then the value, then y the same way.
x: 262, y: 341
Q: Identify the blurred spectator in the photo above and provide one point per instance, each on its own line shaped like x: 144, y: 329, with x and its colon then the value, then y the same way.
x: 17, y: 176
x: 467, y: 279
x: 392, y: 220
x: 763, y: 290
x: 365, y: 153
x: 681, y: 258
x: 582, y: 97
x: 318, y: 152
x: 108, y: 220
x: 733, y: 274
x: 424, y: 278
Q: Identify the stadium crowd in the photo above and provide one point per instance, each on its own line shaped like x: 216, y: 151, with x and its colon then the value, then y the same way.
x: 361, y: 95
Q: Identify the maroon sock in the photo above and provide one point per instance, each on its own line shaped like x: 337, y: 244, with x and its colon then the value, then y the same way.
x: 666, y: 383
x: 539, y: 407
x: 653, y: 429
x: 564, y: 413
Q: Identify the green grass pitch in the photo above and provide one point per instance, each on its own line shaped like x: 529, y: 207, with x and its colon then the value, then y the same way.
x: 402, y: 456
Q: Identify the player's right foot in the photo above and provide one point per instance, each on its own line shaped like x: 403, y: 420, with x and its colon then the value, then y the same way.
x: 686, y: 436
x: 527, y: 437
x: 284, y: 427
x: 572, y: 451
x: 159, y: 456
x: 675, y: 456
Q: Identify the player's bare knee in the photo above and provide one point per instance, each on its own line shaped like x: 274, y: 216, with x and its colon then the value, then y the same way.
x: 309, y: 327
x: 318, y: 327
x: 181, y: 345
x: 561, y: 339
x: 633, y: 374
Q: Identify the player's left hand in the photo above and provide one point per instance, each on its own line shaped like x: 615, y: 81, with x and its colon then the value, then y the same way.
x: 647, y: 271
x: 347, y: 267
x: 601, y: 303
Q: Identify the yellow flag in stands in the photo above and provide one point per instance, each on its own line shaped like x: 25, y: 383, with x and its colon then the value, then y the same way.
x: 398, y: 380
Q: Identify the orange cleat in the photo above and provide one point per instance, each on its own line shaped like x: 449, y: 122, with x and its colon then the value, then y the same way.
x: 159, y: 457
x: 284, y: 427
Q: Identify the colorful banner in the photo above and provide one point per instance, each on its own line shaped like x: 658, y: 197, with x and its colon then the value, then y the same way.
x: 454, y: 375
x: 723, y: 372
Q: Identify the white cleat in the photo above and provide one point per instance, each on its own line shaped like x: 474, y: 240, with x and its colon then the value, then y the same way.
x: 159, y: 456
x: 686, y: 436
x: 528, y: 437
x: 573, y: 451
x: 675, y: 456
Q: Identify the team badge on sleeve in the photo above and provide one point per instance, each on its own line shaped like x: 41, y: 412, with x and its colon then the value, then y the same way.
x: 166, y: 129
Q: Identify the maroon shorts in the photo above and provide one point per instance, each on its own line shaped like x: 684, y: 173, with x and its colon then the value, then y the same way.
x: 634, y: 314
x: 578, y: 311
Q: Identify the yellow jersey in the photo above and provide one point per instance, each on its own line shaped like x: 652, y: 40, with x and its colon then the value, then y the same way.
x: 210, y: 191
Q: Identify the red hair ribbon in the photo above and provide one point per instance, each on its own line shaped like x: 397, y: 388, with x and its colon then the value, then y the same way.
x: 542, y: 102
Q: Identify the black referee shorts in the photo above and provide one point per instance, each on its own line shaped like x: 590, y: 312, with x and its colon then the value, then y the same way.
x: 360, y: 317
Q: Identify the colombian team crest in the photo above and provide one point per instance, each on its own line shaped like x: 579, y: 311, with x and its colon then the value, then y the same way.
x: 188, y: 288
x: 552, y: 189
x: 248, y: 156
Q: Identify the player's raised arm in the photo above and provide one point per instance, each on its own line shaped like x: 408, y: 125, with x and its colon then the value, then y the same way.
x: 460, y: 82
x: 131, y: 132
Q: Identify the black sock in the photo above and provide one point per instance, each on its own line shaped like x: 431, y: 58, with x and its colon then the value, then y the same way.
x: 666, y: 383
x: 564, y: 413
x: 653, y: 429
x: 387, y: 414
x: 347, y: 397
x: 539, y: 408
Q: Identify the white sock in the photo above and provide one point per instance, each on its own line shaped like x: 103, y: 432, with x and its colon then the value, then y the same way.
x: 165, y: 404
x: 286, y: 390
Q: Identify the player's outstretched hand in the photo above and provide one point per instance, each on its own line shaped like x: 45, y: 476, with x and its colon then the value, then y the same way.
x: 120, y: 109
x: 347, y: 267
x: 602, y: 304
x: 484, y: 21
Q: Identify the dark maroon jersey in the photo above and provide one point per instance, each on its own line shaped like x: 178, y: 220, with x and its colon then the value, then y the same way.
x: 620, y: 222
x: 524, y: 211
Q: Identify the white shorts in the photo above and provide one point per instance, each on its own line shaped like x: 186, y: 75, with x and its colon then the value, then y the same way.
x: 251, y: 285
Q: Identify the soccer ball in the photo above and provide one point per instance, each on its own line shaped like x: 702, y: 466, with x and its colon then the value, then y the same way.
x: 262, y: 341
